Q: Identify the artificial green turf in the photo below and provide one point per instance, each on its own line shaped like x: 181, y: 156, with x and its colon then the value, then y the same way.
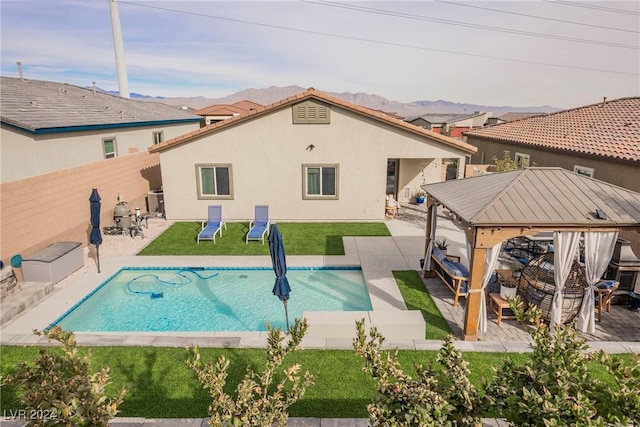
x: 299, y: 239
x: 417, y: 298
x: 161, y: 385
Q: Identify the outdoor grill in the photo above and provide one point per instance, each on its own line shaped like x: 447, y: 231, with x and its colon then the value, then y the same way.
x: 625, y: 268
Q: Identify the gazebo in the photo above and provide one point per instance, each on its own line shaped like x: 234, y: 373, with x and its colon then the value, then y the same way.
x: 496, y: 207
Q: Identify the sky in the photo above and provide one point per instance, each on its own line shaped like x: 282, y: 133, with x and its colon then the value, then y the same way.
x: 562, y: 53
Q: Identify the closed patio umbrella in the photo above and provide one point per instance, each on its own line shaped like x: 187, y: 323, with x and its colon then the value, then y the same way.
x: 281, y: 288
x: 95, y: 237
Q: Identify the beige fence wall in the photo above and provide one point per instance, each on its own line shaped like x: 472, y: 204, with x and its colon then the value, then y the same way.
x: 38, y: 211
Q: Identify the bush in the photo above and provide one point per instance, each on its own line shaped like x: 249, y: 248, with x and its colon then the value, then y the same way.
x: 437, y: 397
x: 554, y: 388
x: 58, y: 388
x: 260, y: 401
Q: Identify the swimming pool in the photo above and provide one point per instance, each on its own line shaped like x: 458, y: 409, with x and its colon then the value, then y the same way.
x: 211, y: 299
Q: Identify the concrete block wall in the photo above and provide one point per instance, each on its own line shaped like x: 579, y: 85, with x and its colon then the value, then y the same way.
x: 38, y: 211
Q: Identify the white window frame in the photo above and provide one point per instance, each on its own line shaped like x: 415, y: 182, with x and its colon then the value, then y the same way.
x: 522, y: 160
x: 216, y: 196
x: 306, y: 196
x: 158, y: 137
x: 109, y: 154
x: 584, y: 171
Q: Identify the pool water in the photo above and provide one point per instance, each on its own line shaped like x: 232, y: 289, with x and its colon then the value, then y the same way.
x: 212, y: 299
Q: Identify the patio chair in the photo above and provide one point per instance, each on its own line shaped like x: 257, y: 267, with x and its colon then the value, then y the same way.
x: 259, y: 227
x: 604, y: 295
x: 213, y: 225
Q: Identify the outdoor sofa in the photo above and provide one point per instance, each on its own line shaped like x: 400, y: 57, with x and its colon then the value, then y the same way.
x: 452, y: 272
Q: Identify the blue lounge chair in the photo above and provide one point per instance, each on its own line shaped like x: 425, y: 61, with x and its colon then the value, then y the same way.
x: 213, y: 225
x: 259, y: 227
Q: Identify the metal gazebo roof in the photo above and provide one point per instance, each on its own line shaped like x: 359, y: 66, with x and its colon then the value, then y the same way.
x: 541, y: 197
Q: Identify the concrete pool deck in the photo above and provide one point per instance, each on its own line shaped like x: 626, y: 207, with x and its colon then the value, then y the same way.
x: 378, y: 257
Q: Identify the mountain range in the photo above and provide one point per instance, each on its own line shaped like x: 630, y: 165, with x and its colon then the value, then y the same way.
x: 375, y: 102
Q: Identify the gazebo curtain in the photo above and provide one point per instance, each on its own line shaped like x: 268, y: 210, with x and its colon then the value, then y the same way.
x: 490, y: 260
x: 565, y: 245
x: 598, y: 249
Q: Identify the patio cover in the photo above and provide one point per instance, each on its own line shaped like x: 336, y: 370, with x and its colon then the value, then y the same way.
x: 495, y: 207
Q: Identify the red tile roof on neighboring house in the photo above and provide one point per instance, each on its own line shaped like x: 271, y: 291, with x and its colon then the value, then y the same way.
x: 228, y: 109
x: 607, y: 129
x: 321, y: 96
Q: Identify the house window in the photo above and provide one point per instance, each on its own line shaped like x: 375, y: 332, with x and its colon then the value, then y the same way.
x: 320, y: 181
x: 522, y: 160
x: 109, y: 148
x: 158, y: 137
x: 583, y: 170
x: 309, y: 112
x: 214, y: 181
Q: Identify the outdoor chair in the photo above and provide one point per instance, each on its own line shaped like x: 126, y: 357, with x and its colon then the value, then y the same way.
x: 604, y: 295
x: 213, y: 225
x: 259, y: 227
x: 391, y: 207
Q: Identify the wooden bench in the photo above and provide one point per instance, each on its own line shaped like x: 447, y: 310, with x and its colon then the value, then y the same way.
x: 452, y: 272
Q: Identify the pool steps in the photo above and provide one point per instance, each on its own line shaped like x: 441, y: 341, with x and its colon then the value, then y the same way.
x: 393, y: 325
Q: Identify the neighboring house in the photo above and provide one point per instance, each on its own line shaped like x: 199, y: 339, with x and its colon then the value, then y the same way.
x: 50, y: 126
x: 219, y: 112
x: 309, y: 157
x: 510, y: 117
x: 455, y: 124
x: 601, y: 141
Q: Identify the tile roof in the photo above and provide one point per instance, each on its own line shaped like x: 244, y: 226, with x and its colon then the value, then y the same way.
x: 228, y: 109
x: 42, y: 106
x: 607, y: 129
x: 537, y: 197
x: 509, y: 117
x: 321, y: 96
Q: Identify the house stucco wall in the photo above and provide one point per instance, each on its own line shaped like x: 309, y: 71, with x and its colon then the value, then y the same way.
x: 38, y: 211
x: 267, y: 155
x: 25, y: 155
x: 623, y: 174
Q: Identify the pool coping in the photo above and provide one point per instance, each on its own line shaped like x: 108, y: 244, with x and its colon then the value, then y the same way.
x: 383, y: 291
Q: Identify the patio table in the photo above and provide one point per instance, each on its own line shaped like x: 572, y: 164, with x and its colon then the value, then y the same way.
x: 537, y: 244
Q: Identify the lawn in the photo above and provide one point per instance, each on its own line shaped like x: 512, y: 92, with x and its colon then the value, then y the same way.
x: 161, y: 385
x: 416, y: 297
x: 299, y: 239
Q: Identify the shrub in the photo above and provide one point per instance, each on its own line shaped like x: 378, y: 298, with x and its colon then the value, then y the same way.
x: 260, y: 401
x: 437, y: 397
x: 554, y: 388
x: 58, y: 389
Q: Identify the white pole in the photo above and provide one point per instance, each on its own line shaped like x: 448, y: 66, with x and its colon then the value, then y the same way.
x: 123, y: 83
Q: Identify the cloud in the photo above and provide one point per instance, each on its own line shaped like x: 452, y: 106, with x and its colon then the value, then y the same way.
x: 220, y: 47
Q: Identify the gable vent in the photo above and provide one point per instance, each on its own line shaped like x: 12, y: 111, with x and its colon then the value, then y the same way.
x: 311, y: 113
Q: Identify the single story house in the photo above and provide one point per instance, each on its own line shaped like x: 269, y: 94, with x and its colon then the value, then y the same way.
x: 218, y: 112
x: 600, y: 141
x: 50, y: 126
x: 309, y: 157
x: 451, y: 124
